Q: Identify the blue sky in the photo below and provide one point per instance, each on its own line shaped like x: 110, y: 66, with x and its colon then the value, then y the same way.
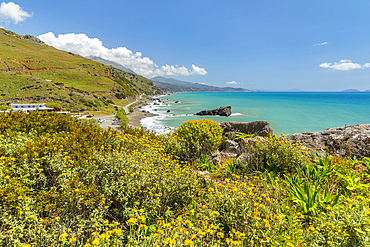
x: 269, y: 45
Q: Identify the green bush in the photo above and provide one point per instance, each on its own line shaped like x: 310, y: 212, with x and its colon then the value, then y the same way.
x: 4, y: 107
x: 120, y: 95
x: 277, y: 155
x: 121, y: 115
x: 131, y: 109
x: 104, y: 101
x: 54, y: 105
x: 195, y: 138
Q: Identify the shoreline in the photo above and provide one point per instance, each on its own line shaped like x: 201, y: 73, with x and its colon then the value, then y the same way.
x: 136, y: 116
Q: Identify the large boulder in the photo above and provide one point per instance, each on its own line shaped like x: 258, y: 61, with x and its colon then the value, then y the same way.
x: 353, y: 140
x: 259, y: 128
x: 222, y: 111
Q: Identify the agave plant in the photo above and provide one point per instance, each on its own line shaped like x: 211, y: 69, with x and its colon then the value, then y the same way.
x: 205, y: 164
x: 240, y: 135
x: 309, y: 198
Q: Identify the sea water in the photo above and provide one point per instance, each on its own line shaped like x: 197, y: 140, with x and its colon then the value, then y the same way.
x: 287, y: 112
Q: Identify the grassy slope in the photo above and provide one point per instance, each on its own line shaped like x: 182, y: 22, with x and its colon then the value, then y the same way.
x: 30, y: 71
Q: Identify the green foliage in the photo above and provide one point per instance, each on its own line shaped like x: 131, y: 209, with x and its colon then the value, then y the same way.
x: 131, y: 109
x: 204, y: 163
x: 195, y: 138
x: 90, y: 121
x: 4, y: 107
x: 276, y: 155
x: 308, y: 198
x: 231, y: 167
x: 54, y: 105
x: 121, y: 115
x: 119, y: 95
x: 241, y: 136
x: 104, y: 101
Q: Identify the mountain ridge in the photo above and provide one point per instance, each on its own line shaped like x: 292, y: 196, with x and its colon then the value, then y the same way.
x: 183, y: 86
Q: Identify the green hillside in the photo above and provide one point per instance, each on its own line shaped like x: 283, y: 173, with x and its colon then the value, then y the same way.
x: 31, y: 71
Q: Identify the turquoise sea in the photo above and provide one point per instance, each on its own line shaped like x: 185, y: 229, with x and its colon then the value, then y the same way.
x: 287, y: 112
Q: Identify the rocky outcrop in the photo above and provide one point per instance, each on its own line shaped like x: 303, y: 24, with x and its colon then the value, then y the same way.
x: 222, y: 111
x: 259, y: 128
x: 32, y: 38
x: 351, y: 140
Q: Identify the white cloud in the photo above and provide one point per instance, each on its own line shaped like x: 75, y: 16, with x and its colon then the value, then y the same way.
x: 344, y: 65
x: 366, y: 65
x: 323, y: 43
x: 231, y: 82
x: 12, y: 12
x: 85, y: 46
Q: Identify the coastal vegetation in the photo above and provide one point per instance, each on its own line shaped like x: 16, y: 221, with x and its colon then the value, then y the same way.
x: 67, y: 183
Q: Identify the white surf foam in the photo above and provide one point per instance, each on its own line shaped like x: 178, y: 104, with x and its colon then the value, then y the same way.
x: 235, y: 114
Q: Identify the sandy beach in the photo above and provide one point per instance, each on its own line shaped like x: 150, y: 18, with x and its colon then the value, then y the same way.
x: 135, y: 117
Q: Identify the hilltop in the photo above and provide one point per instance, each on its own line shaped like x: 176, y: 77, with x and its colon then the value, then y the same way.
x: 183, y: 86
x: 111, y: 63
x: 31, y: 71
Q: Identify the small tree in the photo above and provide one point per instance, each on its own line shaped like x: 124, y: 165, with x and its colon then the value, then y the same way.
x: 123, y: 119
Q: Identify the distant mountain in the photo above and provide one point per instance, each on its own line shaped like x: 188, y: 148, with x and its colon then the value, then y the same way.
x: 367, y: 91
x: 183, y: 86
x: 110, y: 63
x: 351, y: 91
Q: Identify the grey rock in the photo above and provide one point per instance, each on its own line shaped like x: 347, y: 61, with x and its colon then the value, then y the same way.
x: 222, y: 111
x: 353, y: 140
x: 229, y: 155
x: 232, y: 147
x: 245, y: 158
x: 260, y: 128
x: 216, y: 158
x: 32, y: 38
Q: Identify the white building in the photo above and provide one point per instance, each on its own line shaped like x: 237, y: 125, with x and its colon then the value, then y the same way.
x: 30, y: 107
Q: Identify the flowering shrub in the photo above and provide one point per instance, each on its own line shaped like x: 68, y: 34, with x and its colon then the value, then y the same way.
x: 59, y: 184
x: 195, y: 138
x: 65, y: 183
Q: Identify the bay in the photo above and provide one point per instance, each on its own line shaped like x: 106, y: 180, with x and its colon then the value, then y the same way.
x: 287, y: 112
